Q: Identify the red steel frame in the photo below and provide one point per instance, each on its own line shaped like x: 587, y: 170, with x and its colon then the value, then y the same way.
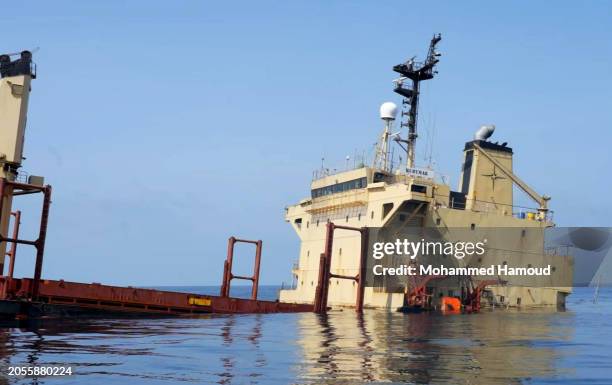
x: 14, y: 188
x: 325, y: 275
x: 227, y: 267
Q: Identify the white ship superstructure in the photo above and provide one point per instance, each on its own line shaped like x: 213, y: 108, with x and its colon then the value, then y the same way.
x: 384, y: 195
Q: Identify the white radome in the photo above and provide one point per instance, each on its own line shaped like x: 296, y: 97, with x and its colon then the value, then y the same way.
x: 484, y: 132
x: 388, y: 111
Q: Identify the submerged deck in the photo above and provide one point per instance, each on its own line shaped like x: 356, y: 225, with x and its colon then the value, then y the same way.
x: 65, y: 299
x: 37, y: 297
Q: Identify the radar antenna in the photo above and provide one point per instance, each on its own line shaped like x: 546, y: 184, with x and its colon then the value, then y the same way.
x: 417, y: 72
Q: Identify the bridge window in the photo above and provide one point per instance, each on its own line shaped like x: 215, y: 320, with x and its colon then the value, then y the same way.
x: 339, y: 187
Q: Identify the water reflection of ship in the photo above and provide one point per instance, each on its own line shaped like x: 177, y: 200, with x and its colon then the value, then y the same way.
x: 492, y: 347
x: 337, y: 348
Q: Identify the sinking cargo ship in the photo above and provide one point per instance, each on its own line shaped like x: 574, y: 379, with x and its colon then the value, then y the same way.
x: 362, y: 203
x: 385, y: 195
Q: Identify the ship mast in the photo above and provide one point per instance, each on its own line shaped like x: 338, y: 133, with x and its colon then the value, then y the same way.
x: 417, y: 72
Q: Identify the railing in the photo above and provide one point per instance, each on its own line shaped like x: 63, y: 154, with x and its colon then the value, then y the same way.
x: 22, y: 177
x: 288, y: 286
x: 560, y: 250
x: 357, y: 196
x: 520, y: 212
x: 325, y: 172
x: 457, y: 204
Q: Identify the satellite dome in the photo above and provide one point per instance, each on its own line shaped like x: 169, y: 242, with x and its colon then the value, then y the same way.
x: 484, y: 132
x: 388, y: 111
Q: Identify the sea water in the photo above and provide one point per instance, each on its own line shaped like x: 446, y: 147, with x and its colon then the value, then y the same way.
x: 544, y: 346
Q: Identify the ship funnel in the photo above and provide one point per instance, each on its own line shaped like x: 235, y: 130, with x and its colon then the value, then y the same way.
x: 484, y: 132
x: 388, y: 111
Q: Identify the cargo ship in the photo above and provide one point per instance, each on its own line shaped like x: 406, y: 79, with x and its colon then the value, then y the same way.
x: 331, y: 270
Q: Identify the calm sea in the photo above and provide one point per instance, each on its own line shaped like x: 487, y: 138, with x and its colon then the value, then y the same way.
x: 493, y: 347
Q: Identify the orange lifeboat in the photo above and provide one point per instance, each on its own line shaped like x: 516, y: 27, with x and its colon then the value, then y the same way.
x: 451, y: 305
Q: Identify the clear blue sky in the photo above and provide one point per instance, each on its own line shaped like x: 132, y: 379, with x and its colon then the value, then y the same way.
x: 165, y: 127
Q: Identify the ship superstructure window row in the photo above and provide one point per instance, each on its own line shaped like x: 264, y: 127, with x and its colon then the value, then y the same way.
x: 340, y: 187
